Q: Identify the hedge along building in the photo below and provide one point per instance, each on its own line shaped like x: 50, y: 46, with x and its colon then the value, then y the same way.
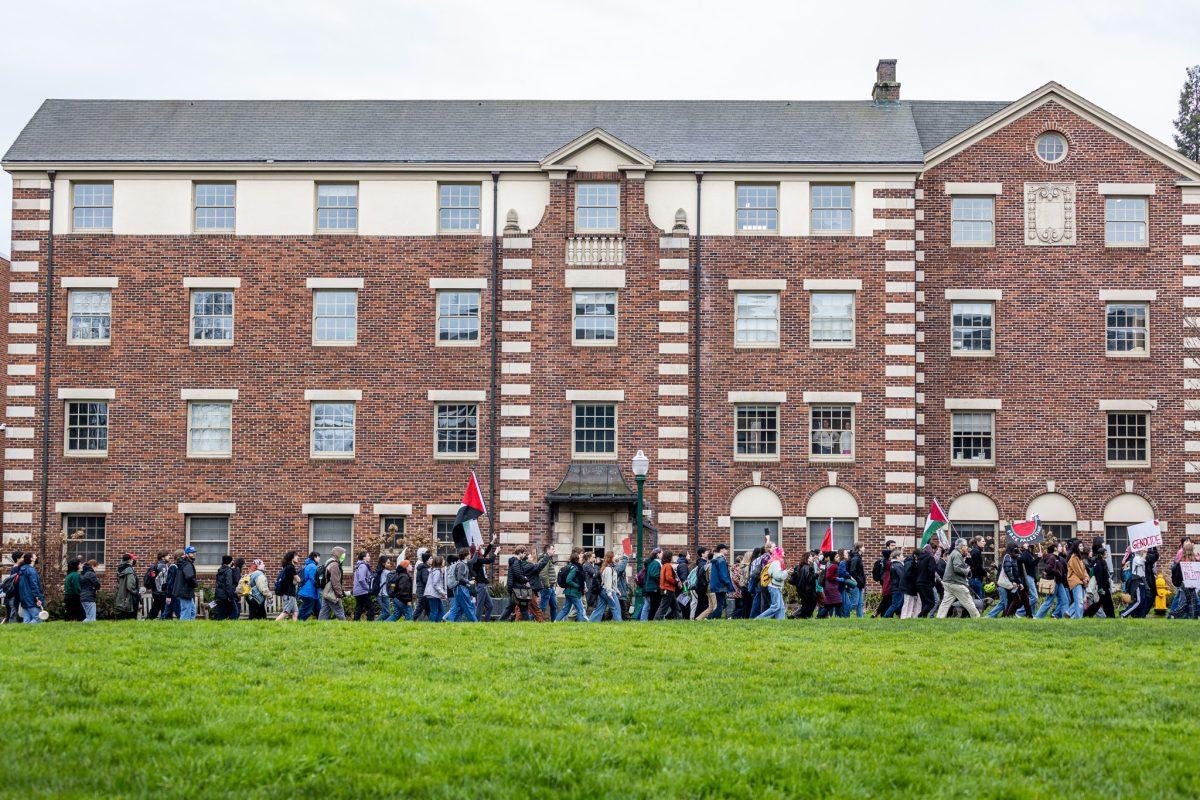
x: 260, y: 326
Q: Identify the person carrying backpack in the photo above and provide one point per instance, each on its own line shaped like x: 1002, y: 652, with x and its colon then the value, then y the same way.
x: 285, y: 587
x: 223, y: 591
x: 71, y: 602
x: 126, y: 597
x: 89, y: 585
x: 422, y: 580
x: 400, y: 587
x: 309, y: 593
x: 571, y: 579
x: 170, y: 604
x: 364, y: 599
x: 668, y: 584
x: 776, y: 577
x: 852, y: 603
x: 435, y: 588
x: 895, y: 578
x: 184, y: 586
x: 10, y: 590
x: 30, y: 590
x: 156, y: 575
x: 458, y: 584
x: 479, y: 574
x: 720, y: 582
x: 330, y: 581
x: 260, y: 592
x: 381, y: 583
x: 242, y: 582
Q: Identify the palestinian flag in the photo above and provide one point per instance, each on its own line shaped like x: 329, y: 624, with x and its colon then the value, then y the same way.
x: 1026, y: 532
x: 935, y: 524
x: 827, y: 542
x: 466, y: 529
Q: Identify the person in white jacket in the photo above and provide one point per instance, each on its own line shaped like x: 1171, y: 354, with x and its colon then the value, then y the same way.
x: 779, y: 576
x: 435, y: 588
x: 609, y: 596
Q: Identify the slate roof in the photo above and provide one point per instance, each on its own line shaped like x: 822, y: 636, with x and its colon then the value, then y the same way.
x: 469, y: 131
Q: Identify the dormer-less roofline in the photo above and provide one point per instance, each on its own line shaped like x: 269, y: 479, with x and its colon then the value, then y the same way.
x: 1056, y: 92
x: 637, y: 159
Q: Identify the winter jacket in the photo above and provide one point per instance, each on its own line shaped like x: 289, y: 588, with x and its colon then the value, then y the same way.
x: 127, y: 595
x: 404, y: 586
x: 71, y: 584
x: 422, y: 577
x: 926, y: 568
x: 854, y: 566
x: 287, y: 581
x: 718, y: 576
x: 957, y: 569
x: 30, y: 587
x: 778, y: 574
x: 185, y: 580
x: 333, y: 590
x: 702, y: 579
x: 385, y: 575
x: 668, y: 581
x: 545, y: 577
x: 575, y: 581
x: 653, y: 575
x: 479, y: 563
x: 225, y: 589
x: 1076, y: 573
x: 169, y: 581
x: 608, y: 579
x: 1029, y: 564
x: 1054, y: 567
x: 975, y: 562
x: 259, y: 590
x: 833, y: 590
x: 1012, y: 568
x: 896, y: 573
x: 908, y: 582
x: 591, y: 579
x: 458, y: 574
x: 435, y: 585
x: 89, y: 584
x: 806, y: 582
x: 362, y: 579
x: 308, y: 582
x: 1101, y: 573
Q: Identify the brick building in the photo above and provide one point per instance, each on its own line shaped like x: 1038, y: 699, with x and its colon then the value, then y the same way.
x: 259, y: 326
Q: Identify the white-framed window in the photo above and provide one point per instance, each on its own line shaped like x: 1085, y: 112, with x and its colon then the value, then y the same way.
x: 758, y: 208
x: 844, y: 532
x: 333, y: 429
x: 1128, y: 439
x: 458, y: 317
x: 391, y: 531
x: 84, y: 536
x: 597, y: 207
x: 326, y: 533
x: 594, y: 431
x: 86, y: 428
x: 747, y: 534
x: 1127, y: 329
x: 594, y: 317
x: 458, y: 207
x: 831, y: 433
x: 335, y: 317
x: 215, y: 209
x: 456, y: 430
x: 91, y: 206
x: 210, y: 429
x: 90, y: 312
x: 1125, y: 221
x: 1051, y: 147
x: 337, y: 207
x: 210, y: 536
x: 443, y: 535
x: 972, y: 221
x: 756, y: 432
x: 212, y: 316
x: 831, y: 322
x: 756, y: 319
x: 972, y: 435
x: 832, y: 208
x: 972, y: 328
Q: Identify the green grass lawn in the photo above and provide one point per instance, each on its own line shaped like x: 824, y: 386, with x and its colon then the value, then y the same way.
x: 835, y: 710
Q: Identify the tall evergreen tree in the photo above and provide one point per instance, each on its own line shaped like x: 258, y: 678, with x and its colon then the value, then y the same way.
x: 1187, y: 125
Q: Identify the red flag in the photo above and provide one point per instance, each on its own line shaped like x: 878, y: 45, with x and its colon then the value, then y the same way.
x: 827, y: 542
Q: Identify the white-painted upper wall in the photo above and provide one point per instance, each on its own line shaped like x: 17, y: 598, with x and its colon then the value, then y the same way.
x: 596, y: 157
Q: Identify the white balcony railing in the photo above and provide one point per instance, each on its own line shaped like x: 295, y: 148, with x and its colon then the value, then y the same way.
x: 596, y: 251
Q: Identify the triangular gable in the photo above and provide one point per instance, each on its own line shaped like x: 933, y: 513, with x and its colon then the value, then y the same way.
x: 597, y: 135
x: 1058, y: 93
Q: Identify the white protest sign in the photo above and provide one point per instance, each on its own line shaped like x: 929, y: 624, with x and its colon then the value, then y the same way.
x: 1145, y: 535
x: 1191, y: 574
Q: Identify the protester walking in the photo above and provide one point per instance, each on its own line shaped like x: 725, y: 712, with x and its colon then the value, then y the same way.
x: 285, y: 587
x: 332, y: 590
x: 364, y: 602
x: 852, y: 600
x: 777, y: 576
x: 309, y: 593
x: 435, y: 588
x: 260, y: 592
x: 544, y: 584
x: 808, y: 583
x: 156, y: 575
x: 700, y: 580
x: 1102, y: 576
x: 831, y: 585
x: 1054, y: 570
x: 1139, y: 604
x: 400, y: 587
x: 422, y: 580
x: 720, y: 583
x: 171, y: 602
x: 126, y: 595
x: 1187, y: 608
x: 896, y: 582
x: 1077, y: 579
x: 609, y: 598
x: 458, y: 585
x: 479, y: 564
x: 651, y: 589
x: 926, y: 575
x: 224, y: 589
x: 89, y: 587
x: 975, y: 562
x: 881, y: 573
x: 521, y: 594
x: 955, y: 584
x: 30, y: 590
x: 908, y: 583
x: 242, y: 582
x: 71, y: 604
x: 1013, y: 574
x: 382, y: 585
x: 572, y: 583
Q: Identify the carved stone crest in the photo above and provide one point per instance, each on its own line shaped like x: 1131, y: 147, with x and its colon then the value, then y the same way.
x: 1049, y: 213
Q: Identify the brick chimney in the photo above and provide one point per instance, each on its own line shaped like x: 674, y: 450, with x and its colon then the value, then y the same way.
x: 887, y: 88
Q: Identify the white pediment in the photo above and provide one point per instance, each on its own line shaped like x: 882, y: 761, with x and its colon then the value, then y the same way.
x: 597, y: 151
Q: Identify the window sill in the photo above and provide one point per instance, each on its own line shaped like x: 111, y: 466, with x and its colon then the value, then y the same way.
x: 981, y: 354
x: 475, y: 232
x: 464, y: 457
x: 593, y: 457
x: 331, y: 457
x: 592, y: 343
x: 1129, y: 466
x: 210, y: 456
x: 92, y: 230
x: 611, y: 232
x: 831, y: 345
x: 763, y: 459
x: 214, y: 232
x: 1125, y: 356
x: 970, y: 246
x: 847, y: 232
x: 814, y: 459
x: 1119, y: 246
x: 458, y: 344
x: 90, y: 343
x: 973, y: 465
x: 209, y: 343
x: 774, y: 346
x: 756, y: 233
x: 335, y: 344
x: 86, y: 456
x: 336, y: 232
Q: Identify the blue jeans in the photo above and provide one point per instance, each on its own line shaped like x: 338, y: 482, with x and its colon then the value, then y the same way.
x: 385, y: 608
x: 606, y: 600
x: 757, y: 597
x: 187, y: 609
x: 171, y: 609
x: 401, y: 609
x: 644, y: 613
x: 1078, y: 593
x: 777, y: 609
x: 575, y: 603
x: 719, y: 611
x: 1062, y: 600
x: 29, y: 614
x: 976, y: 586
x: 998, y: 609
x: 897, y: 604
x: 463, y: 608
x: 852, y: 602
x: 435, y: 608
x: 89, y: 611
x: 548, y: 600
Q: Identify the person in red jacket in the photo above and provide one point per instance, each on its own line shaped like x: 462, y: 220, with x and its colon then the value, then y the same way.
x: 831, y: 603
x: 668, y: 583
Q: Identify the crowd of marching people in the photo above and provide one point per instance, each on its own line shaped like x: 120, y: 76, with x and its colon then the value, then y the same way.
x: 1070, y: 579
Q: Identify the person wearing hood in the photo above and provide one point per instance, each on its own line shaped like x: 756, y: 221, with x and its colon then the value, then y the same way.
x: 74, y: 608
x: 309, y: 594
x: 955, y: 584
x: 421, y: 579
x: 364, y: 603
x: 223, y: 591
x: 185, y: 584
x: 89, y: 585
x: 125, y: 599
x: 285, y: 586
x: 260, y: 592
x: 400, y: 587
x: 720, y: 582
x: 154, y: 580
x: 895, y: 569
x: 458, y: 582
x: 1102, y: 574
x: 777, y: 609
x: 479, y: 574
x: 1014, y: 571
x: 926, y: 572
x: 30, y: 591
x: 333, y: 592
x: 1139, y: 605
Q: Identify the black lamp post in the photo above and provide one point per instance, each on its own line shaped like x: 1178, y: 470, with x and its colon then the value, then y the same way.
x: 641, y: 465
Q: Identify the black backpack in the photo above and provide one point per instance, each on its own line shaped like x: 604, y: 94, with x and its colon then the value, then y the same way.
x: 150, y: 580
x: 563, y: 572
x: 279, y: 580
x: 322, y: 576
x: 877, y: 571
x: 11, y: 585
x: 1176, y: 575
x: 375, y: 582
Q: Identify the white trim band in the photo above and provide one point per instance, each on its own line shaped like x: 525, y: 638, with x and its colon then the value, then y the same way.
x: 758, y: 397
x: 87, y: 394
x: 1129, y: 294
x: 208, y: 508
x: 392, y: 509
x: 334, y: 283
x: 83, y: 508
x: 457, y: 395
x: 974, y: 188
x: 595, y: 278
x: 89, y: 283
x: 458, y: 283
x: 755, y: 284
x: 1125, y: 188
x: 973, y: 404
x: 974, y: 294
x: 318, y: 395
x: 441, y: 509
x: 831, y: 285
x: 212, y: 283
x: 208, y: 394
x: 833, y: 397
x: 595, y: 395
x: 1128, y: 405
x: 318, y: 509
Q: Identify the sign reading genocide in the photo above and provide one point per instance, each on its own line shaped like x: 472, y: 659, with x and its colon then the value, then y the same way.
x: 1145, y: 535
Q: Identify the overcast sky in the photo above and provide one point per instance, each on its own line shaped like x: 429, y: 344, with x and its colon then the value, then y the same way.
x: 1127, y: 57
